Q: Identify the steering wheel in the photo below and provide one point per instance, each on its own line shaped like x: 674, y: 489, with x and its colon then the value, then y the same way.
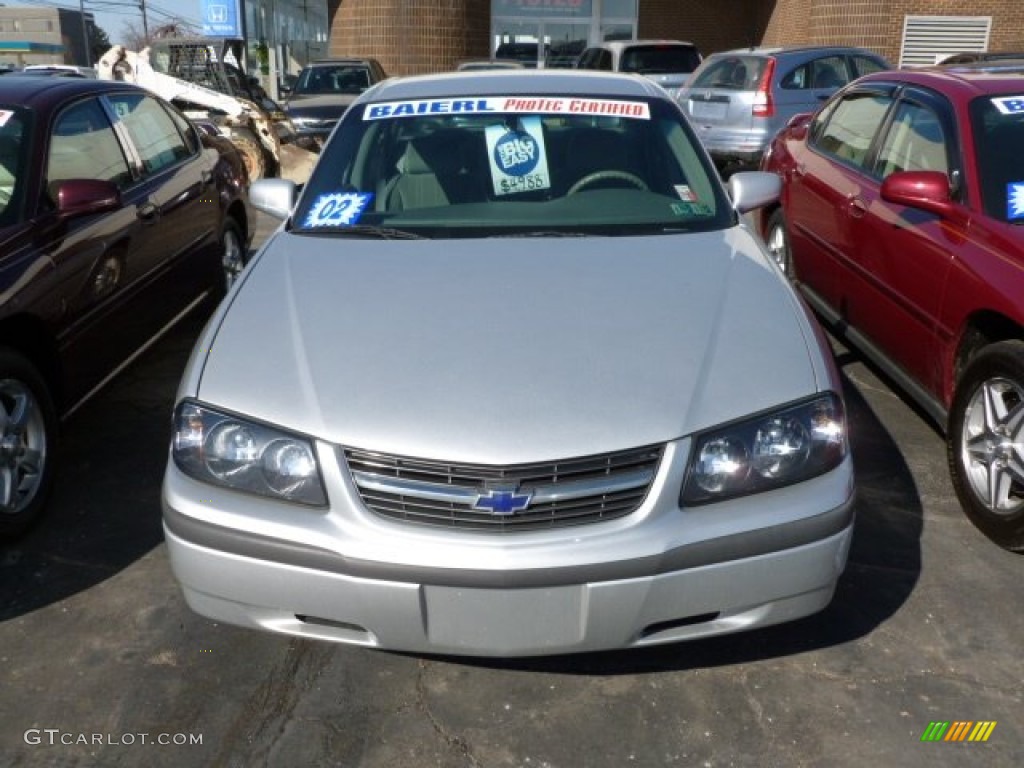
x: 596, y: 176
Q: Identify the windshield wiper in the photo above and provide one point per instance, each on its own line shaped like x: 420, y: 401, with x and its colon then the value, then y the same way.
x: 364, y: 230
x: 546, y: 233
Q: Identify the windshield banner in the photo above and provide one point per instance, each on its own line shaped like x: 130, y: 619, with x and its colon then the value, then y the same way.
x: 504, y: 104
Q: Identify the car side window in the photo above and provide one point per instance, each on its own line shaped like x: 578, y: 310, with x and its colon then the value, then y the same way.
x: 797, y: 80
x: 187, y: 130
x: 915, y: 142
x: 865, y: 65
x: 84, y: 146
x: 827, y: 72
x: 853, y: 123
x: 152, y: 130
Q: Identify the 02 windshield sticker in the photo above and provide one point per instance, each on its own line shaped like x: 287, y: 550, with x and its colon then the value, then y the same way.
x: 1009, y: 105
x: 637, y: 110
x: 338, y: 209
x: 518, y: 159
x: 1015, y: 200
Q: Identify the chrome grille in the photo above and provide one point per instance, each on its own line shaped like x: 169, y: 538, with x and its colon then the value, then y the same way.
x: 572, y: 492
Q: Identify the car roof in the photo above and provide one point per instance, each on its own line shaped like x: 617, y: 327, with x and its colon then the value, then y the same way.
x: 620, y: 45
x: 959, y: 80
x: 341, y: 60
x: 498, y: 82
x: 782, y: 50
x: 982, y: 56
x: 35, y: 91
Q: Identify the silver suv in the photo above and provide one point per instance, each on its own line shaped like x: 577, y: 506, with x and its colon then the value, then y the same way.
x: 666, y: 62
x: 738, y: 100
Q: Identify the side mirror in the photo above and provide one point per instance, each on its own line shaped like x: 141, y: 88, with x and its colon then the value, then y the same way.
x: 924, y: 190
x: 753, y: 189
x: 274, y: 197
x: 81, y: 197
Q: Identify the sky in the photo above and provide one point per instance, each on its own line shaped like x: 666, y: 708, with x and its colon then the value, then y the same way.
x: 111, y: 15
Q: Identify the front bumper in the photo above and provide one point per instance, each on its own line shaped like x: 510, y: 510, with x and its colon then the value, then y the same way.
x: 660, y: 575
x: 314, y: 129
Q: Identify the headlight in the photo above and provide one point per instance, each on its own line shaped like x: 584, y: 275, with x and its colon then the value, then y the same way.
x: 769, y: 451
x: 246, y: 456
x: 316, y: 122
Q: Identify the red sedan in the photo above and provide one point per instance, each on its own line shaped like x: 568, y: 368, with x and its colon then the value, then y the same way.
x: 902, y: 222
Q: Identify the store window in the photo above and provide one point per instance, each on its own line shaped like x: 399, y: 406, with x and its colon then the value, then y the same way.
x: 553, y: 33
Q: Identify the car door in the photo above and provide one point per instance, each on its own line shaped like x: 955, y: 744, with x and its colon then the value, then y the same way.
x: 826, y: 175
x: 806, y: 87
x: 902, y: 257
x: 176, y: 178
x: 93, y: 256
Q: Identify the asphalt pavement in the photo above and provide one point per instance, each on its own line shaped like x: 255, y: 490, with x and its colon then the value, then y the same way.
x: 103, y: 664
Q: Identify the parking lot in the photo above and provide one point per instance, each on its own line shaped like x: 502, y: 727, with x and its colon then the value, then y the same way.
x: 105, y: 665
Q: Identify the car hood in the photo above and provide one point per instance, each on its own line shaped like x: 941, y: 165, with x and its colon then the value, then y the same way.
x: 508, y: 350
x: 320, y: 106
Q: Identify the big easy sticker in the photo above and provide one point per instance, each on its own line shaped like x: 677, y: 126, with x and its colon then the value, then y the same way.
x: 518, y: 159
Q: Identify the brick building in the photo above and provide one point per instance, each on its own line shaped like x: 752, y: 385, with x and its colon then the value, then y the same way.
x: 413, y: 36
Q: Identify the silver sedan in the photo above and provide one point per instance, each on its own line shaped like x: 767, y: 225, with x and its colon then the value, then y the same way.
x: 512, y: 378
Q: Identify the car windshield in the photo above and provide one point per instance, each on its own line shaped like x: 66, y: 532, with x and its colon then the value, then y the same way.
x: 656, y: 59
x: 13, y: 159
x: 325, y: 79
x: 998, y: 123
x: 493, y: 166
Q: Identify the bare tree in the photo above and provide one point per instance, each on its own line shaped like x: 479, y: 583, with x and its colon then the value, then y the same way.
x: 132, y: 37
x: 173, y: 28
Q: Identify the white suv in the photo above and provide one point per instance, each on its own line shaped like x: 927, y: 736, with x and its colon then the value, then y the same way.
x: 666, y: 62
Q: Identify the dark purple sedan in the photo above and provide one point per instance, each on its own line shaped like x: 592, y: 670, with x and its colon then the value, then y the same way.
x: 117, y: 218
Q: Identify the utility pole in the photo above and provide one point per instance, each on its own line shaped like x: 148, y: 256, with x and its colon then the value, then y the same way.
x: 145, y: 24
x: 85, y: 34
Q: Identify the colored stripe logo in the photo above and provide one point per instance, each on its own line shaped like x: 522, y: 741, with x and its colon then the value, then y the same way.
x: 958, y: 730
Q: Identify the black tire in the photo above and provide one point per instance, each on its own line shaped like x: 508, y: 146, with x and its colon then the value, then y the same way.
x: 776, y: 238
x: 985, y: 443
x: 233, y: 254
x: 252, y: 155
x: 28, y: 443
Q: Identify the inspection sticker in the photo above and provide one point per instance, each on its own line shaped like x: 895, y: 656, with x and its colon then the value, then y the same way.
x: 1015, y: 200
x: 339, y: 209
x: 1009, y: 105
x: 685, y: 193
x: 517, y: 157
x: 637, y: 110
